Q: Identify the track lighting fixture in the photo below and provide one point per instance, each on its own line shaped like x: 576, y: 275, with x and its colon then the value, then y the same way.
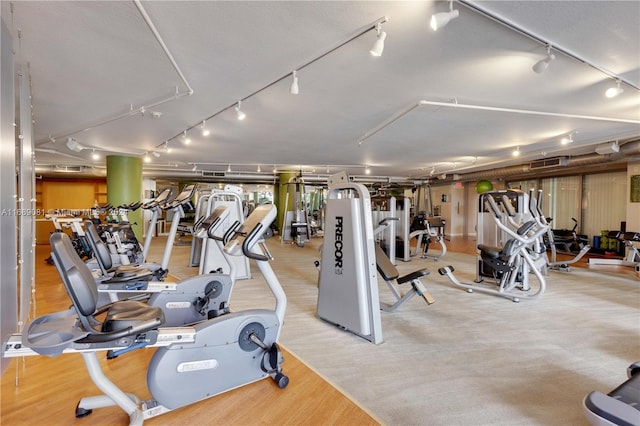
x: 378, y: 45
x: 293, y: 89
x: 74, y: 145
x: 205, y: 131
x: 367, y: 170
x: 439, y: 20
x: 194, y: 168
x: 146, y: 158
x: 614, y: 91
x: 516, y: 152
x: 165, y: 147
x: 185, y: 138
x: 608, y: 148
x: 229, y: 168
x: 542, y: 64
x: 155, y: 154
x: 259, y: 169
x: 241, y: 115
x: 95, y: 155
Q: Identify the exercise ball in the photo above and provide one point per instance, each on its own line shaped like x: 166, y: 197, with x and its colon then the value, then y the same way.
x: 483, y: 186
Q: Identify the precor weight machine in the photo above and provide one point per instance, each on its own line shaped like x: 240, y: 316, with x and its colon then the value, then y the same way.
x: 191, y: 363
x: 348, y: 282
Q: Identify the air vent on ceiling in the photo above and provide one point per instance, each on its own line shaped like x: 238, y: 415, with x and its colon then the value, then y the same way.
x: 548, y: 162
x: 213, y: 174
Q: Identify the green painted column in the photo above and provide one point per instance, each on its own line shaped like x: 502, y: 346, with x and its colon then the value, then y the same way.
x: 124, y: 186
x: 282, y: 197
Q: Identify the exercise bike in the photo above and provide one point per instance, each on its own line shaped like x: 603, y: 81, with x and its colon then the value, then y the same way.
x: 425, y: 233
x: 190, y: 300
x: 548, y: 241
x: 566, y: 241
x: 191, y: 363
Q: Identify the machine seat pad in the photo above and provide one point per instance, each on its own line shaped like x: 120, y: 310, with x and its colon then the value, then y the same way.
x: 129, y: 313
x: 631, y: 236
x: 489, y: 252
x: 413, y: 276
x: 384, y: 265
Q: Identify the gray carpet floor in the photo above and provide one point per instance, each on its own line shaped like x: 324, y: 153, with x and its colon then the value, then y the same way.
x: 468, y: 359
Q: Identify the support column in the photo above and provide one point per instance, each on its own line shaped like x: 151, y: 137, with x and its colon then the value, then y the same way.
x: 124, y: 185
x: 282, y: 198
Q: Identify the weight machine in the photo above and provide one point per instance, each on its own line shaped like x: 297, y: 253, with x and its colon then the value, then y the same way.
x: 295, y: 225
x: 348, y: 282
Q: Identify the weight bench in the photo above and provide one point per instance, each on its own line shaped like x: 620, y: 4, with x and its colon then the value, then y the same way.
x: 633, y: 255
x: 390, y: 274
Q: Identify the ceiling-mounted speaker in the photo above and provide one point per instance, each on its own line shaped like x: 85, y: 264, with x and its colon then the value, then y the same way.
x: 608, y: 148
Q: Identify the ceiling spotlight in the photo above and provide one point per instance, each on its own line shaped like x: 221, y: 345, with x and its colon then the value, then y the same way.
x: 439, y: 20
x: 146, y: 158
x: 259, y: 169
x: 156, y: 154
x: 185, y: 138
x: 293, y: 89
x: 241, y: 115
x: 367, y: 170
x: 567, y: 139
x: 95, y: 155
x: 165, y: 147
x: 614, y: 91
x: 516, y: 152
x: 378, y: 45
x: 229, y: 168
x: 542, y: 64
x: 195, y: 167
x: 205, y: 131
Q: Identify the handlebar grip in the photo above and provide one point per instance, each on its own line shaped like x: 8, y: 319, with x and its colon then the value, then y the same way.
x: 507, y: 205
x: 230, y: 232
x: 387, y: 219
x: 494, y: 207
x: 246, y: 250
x: 539, y: 206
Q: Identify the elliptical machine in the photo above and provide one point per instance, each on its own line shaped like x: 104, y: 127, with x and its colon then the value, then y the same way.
x: 511, y: 264
x: 191, y: 363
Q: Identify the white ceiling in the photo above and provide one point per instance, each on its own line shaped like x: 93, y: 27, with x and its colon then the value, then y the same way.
x: 95, y: 65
